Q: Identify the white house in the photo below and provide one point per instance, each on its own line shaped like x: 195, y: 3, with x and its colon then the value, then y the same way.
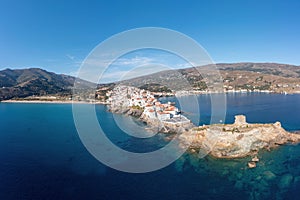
x: 163, y: 115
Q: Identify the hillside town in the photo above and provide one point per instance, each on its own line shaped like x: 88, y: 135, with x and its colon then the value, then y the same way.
x: 124, y: 98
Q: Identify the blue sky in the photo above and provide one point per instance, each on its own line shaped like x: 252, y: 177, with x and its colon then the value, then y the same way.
x: 58, y: 35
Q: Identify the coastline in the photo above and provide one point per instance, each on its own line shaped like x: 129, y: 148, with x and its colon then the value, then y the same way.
x: 179, y: 94
x: 187, y: 93
x: 51, y: 102
x: 224, y: 141
x: 237, y: 140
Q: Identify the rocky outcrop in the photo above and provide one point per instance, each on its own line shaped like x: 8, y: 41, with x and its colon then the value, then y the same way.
x: 126, y: 110
x: 135, y: 112
x: 237, y: 140
x: 166, y: 127
x: 154, y: 123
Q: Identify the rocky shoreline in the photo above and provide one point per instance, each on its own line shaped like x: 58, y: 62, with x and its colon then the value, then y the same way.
x: 153, y: 123
x: 237, y: 140
x: 52, y: 102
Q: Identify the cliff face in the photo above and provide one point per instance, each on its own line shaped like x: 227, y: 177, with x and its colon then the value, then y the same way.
x: 237, y: 140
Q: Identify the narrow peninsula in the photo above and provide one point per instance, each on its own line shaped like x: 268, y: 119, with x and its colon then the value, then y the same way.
x: 236, y: 140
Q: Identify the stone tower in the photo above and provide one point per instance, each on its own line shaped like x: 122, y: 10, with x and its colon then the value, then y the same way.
x: 240, y: 120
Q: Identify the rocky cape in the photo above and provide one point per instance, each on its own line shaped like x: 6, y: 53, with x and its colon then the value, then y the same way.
x: 126, y: 110
x: 153, y: 124
x: 237, y: 140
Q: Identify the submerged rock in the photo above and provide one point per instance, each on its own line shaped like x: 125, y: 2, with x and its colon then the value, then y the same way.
x: 238, y: 185
x: 297, y: 180
x: 239, y: 175
x: 268, y: 175
x: 258, y: 178
x: 285, y: 181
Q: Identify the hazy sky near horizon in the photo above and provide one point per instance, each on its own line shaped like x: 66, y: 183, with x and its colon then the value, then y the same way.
x: 58, y: 35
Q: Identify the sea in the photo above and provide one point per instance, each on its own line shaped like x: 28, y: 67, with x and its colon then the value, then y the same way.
x: 42, y: 156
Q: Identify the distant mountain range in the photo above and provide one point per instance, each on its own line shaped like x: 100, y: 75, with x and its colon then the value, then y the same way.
x: 236, y: 76
x: 20, y: 83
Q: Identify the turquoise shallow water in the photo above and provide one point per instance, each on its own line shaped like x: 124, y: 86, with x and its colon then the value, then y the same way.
x: 42, y: 157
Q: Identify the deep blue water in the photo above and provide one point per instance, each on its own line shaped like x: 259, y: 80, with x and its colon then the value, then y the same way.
x: 42, y: 157
x: 258, y: 107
